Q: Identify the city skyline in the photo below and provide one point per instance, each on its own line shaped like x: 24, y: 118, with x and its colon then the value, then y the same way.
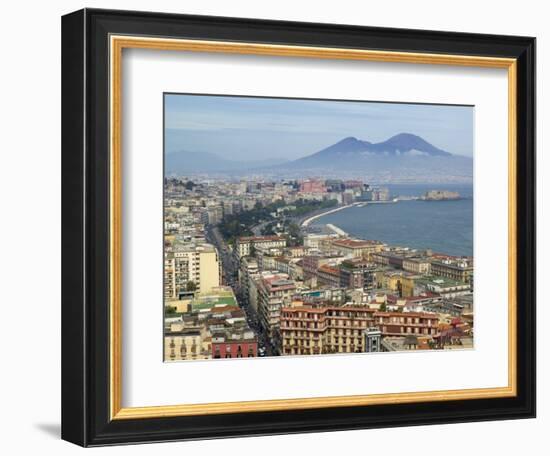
x: 250, y: 128
x: 252, y: 268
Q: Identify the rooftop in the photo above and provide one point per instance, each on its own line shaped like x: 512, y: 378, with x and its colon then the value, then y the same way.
x: 219, y: 296
x: 423, y: 297
x: 355, y: 243
x: 407, y: 314
x: 193, y: 247
x: 453, y: 262
x: 358, y: 263
x: 329, y: 269
x: 245, y: 239
x: 443, y: 282
x: 278, y: 282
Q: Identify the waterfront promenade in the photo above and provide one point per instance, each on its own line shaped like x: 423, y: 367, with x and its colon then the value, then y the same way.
x: 308, y: 220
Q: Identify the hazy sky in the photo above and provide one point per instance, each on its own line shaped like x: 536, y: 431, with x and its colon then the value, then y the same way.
x: 242, y: 128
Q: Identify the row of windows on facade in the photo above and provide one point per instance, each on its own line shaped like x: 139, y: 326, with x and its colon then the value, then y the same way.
x: 321, y: 325
x: 228, y: 354
x: 314, y: 342
x: 341, y: 332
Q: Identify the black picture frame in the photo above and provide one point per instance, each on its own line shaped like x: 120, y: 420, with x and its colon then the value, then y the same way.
x: 85, y: 225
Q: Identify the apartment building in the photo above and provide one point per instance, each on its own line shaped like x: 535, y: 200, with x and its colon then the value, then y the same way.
x: 329, y: 329
x: 357, y: 248
x: 246, y: 245
x: 445, y: 287
x: 187, y: 344
x: 417, y: 265
x: 403, y: 323
x: 248, y: 268
x: 460, y: 269
x: 348, y: 329
x: 328, y: 275
x: 358, y: 273
x: 236, y: 342
x: 274, y: 292
x: 190, y: 262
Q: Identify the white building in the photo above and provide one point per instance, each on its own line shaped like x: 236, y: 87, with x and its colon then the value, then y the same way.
x: 246, y: 245
x: 191, y: 262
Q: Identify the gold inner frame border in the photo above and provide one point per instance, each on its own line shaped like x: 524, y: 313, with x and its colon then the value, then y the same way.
x: 116, y: 46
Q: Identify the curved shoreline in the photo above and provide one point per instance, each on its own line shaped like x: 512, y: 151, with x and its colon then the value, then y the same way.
x: 354, y: 226
x: 308, y: 220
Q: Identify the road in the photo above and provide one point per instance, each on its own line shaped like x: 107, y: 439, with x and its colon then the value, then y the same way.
x: 230, y: 272
x: 230, y: 269
x: 229, y: 263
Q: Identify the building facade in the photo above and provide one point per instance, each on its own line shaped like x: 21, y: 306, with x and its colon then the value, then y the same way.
x: 318, y: 330
x: 358, y: 273
x: 460, y: 269
x: 246, y: 245
x: 403, y: 323
x: 328, y: 275
x: 355, y: 248
x: 187, y: 344
x: 274, y: 292
x: 234, y: 344
x: 417, y: 265
x: 190, y: 262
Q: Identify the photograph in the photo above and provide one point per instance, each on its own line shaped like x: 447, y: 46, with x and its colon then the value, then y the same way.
x: 297, y: 227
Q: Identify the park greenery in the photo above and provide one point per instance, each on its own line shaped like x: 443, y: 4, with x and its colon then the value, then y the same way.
x: 276, y: 217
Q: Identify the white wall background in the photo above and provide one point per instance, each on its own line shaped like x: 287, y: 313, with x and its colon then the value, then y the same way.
x: 30, y: 225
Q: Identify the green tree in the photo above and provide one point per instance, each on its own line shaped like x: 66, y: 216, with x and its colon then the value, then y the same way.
x: 169, y: 310
x: 295, y: 235
x: 268, y: 230
x: 191, y: 286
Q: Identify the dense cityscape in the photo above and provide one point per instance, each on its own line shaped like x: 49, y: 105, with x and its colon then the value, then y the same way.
x: 247, y: 274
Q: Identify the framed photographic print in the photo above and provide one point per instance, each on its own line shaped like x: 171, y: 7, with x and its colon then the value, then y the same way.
x: 279, y: 227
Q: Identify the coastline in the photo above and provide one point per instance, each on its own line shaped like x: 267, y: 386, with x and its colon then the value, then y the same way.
x: 439, y: 225
x: 305, y: 223
x: 335, y: 229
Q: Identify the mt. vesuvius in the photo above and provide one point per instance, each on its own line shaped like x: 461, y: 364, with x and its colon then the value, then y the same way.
x: 400, y: 157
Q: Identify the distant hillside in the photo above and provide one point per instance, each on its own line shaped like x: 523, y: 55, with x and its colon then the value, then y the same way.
x: 403, y: 157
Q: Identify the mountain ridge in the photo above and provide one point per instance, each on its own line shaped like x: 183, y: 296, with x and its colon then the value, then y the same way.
x: 397, y: 145
x: 399, y: 156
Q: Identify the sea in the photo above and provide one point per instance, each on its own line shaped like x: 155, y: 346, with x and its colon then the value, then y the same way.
x: 443, y: 226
